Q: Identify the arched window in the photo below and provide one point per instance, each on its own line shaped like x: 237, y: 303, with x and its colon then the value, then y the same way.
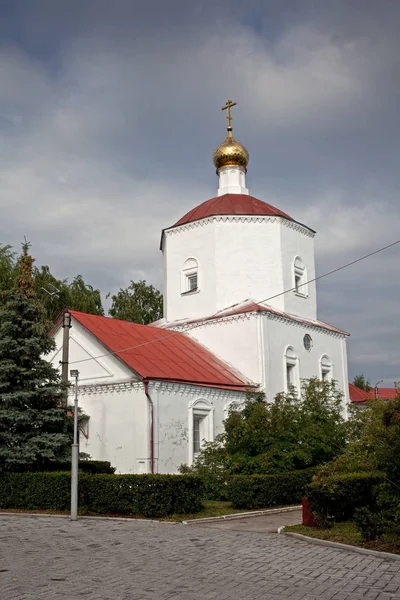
x: 291, y: 366
x: 299, y: 277
x: 326, y: 368
x: 190, y: 276
x: 201, y: 426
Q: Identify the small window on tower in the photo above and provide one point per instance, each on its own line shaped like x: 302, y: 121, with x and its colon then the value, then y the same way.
x: 192, y: 282
x: 300, y: 277
x: 190, y: 276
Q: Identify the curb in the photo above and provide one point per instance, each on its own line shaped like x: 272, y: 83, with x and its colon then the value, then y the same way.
x: 244, y: 515
x: 85, y: 517
x: 339, y: 546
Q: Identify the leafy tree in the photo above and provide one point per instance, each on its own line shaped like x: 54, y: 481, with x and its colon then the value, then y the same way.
x: 292, y: 432
x: 139, y: 303
x: 76, y: 295
x: 33, y: 427
x: 362, y: 383
x: 7, y: 267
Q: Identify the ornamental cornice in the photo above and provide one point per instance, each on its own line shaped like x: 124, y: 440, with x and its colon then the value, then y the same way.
x: 109, y: 388
x: 304, y: 325
x: 240, y: 219
x: 226, y: 320
x: 195, y: 391
x: 162, y: 387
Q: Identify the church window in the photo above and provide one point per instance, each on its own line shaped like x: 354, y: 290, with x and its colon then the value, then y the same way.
x: 300, y: 277
x: 190, y: 276
x: 291, y: 369
x: 326, y: 368
x: 201, y: 427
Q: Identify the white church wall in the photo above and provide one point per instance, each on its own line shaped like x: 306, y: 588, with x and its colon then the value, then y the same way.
x: 280, y: 334
x: 247, y: 260
x: 297, y: 244
x: 236, y: 340
x: 118, y: 427
x: 177, y: 406
x: 93, y: 361
x: 110, y: 396
x: 190, y: 241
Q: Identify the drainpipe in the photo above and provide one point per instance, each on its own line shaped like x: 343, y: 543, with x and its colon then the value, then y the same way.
x: 151, y: 405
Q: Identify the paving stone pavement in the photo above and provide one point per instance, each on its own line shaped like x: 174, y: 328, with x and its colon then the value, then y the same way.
x: 50, y: 558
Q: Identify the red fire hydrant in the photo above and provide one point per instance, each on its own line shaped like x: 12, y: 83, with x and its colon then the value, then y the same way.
x: 308, y: 517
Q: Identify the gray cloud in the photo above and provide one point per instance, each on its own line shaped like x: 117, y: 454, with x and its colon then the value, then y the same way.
x: 109, y: 113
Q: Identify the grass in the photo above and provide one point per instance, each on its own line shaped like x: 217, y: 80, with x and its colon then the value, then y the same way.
x: 212, y: 508
x: 346, y: 533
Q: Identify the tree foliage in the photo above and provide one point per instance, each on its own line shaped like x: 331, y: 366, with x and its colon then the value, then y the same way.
x: 33, y: 427
x: 139, y: 303
x: 76, y: 295
x: 362, y: 383
x: 292, y: 432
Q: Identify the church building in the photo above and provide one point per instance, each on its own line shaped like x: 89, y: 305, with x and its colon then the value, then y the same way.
x: 240, y: 313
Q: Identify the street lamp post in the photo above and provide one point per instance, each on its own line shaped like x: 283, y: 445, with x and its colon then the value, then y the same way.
x: 75, y: 454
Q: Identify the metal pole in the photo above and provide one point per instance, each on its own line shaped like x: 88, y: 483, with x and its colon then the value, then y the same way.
x: 75, y: 456
x: 66, y: 323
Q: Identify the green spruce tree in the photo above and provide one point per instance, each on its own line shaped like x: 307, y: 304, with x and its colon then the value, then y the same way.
x: 33, y: 426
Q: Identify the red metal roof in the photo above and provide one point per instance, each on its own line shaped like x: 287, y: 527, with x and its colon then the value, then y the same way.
x: 231, y: 204
x: 357, y: 395
x: 155, y: 353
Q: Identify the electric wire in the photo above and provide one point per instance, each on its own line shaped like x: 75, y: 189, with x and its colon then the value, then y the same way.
x: 218, y: 314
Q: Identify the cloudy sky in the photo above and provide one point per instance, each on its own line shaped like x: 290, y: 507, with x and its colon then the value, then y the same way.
x: 110, y: 111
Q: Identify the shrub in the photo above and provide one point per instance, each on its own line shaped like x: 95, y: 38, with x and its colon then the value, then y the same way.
x: 263, y: 491
x: 369, y: 523
x: 85, y: 466
x: 149, y: 495
x: 340, y: 495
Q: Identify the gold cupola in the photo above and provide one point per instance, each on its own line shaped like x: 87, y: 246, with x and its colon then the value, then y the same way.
x: 230, y: 153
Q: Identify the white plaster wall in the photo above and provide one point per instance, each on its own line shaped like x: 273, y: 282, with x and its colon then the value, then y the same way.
x: 173, y: 420
x: 93, y: 361
x: 247, y: 261
x: 118, y: 428
x: 118, y: 424
x: 235, y: 340
x: 179, y: 245
x: 296, y: 243
x: 239, y: 258
x: 279, y: 334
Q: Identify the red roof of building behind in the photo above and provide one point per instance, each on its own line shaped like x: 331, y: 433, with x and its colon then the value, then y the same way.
x: 358, y: 395
x: 231, y: 204
x: 155, y: 353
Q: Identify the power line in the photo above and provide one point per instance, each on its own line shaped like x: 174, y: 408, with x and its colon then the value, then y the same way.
x: 215, y: 315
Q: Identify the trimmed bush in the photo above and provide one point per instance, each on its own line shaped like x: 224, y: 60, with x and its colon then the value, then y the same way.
x: 85, y: 466
x: 338, y: 496
x: 148, y: 495
x: 264, y: 491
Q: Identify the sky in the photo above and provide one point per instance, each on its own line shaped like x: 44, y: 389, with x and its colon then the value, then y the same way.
x: 110, y: 112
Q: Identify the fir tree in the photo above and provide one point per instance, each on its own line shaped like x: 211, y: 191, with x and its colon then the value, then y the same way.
x: 33, y: 426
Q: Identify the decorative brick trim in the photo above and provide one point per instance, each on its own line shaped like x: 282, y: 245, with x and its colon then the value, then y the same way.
x: 241, y: 219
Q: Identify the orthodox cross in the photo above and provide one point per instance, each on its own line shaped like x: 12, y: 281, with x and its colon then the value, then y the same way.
x: 227, y: 107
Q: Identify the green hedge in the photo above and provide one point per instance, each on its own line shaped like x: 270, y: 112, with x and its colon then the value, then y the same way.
x: 85, y: 466
x: 338, y: 496
x: 264, y: 491
x: 148, y: 495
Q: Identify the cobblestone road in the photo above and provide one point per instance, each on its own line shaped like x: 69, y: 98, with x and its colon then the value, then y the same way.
x: 52, y: 558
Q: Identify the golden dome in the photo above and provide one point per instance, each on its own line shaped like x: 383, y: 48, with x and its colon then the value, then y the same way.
x: 230, y: 153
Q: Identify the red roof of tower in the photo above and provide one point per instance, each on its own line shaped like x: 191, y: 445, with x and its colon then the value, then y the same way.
x: 155, y: 353
x: 232, y: 204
